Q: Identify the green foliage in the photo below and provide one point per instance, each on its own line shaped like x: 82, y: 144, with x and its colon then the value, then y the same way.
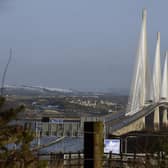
x: 15, y: 134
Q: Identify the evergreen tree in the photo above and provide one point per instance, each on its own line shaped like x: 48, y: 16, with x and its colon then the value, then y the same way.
x: 21, y: 156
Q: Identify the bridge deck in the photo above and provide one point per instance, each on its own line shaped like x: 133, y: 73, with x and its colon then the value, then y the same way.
x: 119, y: 121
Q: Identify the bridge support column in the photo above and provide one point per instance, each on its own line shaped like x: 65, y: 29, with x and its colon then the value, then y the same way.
x: 164, y: 119
x: 125, y: 145
x: 156, y: 119
x: 143, y: 122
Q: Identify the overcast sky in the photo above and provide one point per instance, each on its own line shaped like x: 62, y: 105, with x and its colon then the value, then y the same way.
x: 79, y: 44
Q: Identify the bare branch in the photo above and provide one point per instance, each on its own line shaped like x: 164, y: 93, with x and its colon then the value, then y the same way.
x: 5, y: 71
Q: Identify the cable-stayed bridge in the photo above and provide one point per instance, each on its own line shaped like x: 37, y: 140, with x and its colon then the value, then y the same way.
x: 148, y: 101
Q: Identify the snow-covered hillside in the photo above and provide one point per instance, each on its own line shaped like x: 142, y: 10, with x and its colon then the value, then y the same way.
x: 37, y: 88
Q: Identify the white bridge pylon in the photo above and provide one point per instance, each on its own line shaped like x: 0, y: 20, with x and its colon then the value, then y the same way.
x: 140, y: 85
x: 145, y: 90
x: 157, y: 72
x: 164, y: 89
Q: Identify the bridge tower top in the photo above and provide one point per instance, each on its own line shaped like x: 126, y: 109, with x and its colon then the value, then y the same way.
x: 144, y: 13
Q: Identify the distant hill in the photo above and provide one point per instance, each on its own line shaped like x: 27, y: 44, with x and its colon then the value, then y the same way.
x: 47, y: 91
x: 34, y: 90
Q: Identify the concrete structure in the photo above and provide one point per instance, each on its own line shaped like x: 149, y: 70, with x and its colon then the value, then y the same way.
x: 164, y: 91
x: 70, y: 127
x: 164, y: 120
x: 157, y: 82
x: 143, y: 120
x: 157, y: 72
x: 61, y: 127
x: 139, y: 93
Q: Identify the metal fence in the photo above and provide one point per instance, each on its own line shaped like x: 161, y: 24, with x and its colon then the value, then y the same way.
x: 109, y: 160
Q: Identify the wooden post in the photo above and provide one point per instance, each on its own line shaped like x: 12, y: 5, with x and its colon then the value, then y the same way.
x: 93, y: 144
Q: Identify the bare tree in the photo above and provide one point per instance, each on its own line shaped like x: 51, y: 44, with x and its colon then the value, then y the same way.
x: 5, y: 71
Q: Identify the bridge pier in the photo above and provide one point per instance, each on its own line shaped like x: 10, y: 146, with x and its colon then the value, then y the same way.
x: 156, y: 119
x: 164, y: 119
x: 125, y: 145
x: 143, y: 123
